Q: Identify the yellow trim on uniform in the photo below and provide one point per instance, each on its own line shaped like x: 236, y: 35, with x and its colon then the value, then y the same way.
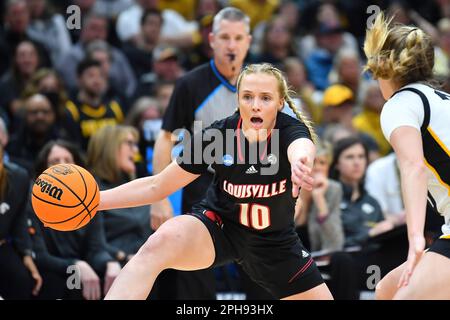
x: 93, y: 112
x: 437, y: 176
x: 117, y: 111
x: 73, y: 110
x: 441, y: 144
x: 445, y: 236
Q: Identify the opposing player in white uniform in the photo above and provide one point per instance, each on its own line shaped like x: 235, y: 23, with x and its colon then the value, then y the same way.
x: 416, y: 121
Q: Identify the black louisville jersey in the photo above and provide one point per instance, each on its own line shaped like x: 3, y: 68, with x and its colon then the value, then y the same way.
x: 203, y: 94
x: 252, y: 182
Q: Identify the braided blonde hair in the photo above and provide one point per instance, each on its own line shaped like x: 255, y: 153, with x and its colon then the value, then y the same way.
x: 401, y: 53
x: 284, y: 91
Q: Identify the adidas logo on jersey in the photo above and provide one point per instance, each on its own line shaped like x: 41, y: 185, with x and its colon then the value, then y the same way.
x: 305, y: 254
x: 251, y: 170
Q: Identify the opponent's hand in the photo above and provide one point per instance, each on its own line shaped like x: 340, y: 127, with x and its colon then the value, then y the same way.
x: 301, y: 176
x: 160, y: 212
x: 415, y: 252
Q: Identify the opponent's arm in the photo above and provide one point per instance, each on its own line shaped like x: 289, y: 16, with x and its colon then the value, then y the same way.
x: 407, y: 144
x: 146, y: 190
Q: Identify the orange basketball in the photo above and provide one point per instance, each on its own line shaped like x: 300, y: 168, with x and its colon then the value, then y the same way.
x: 65, y: 197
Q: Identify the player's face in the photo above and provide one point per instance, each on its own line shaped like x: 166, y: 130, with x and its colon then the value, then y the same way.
x: 127, y: 151
x: 59, y: 155
x: 259, y: 101
x: 352, y: 164
x: 230, y: 44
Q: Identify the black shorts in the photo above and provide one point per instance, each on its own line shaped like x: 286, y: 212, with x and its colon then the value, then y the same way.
x: 276, y: 261
x: 441, y: 246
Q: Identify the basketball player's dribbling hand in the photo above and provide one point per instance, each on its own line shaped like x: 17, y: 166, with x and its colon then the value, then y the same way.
x: 415, y: 252
x: 301, y: 176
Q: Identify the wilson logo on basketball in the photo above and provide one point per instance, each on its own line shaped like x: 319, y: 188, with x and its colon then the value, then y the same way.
x: 48, y: 188
x: 62, y: 170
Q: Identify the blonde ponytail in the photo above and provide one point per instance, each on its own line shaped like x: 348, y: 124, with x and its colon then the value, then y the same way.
x: 402, y: 53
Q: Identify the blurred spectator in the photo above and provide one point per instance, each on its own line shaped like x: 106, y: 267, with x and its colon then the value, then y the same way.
x: 95, y: 27
x: 362, y: 216
x: 258, y: 10
x: 47, y: 82
x: 86, y: 9
x: 206, y: 8
x: 166, y: 67
x: 338, y: 102
x: 321, y: 207
x: 112, y: 164
x: 140, y: 51
x: 402, y: 12
x: 4, y: 138
x: 202, y: 51
x: 49, y: 29
x: 347, y: 70
x: 175, y: 29
x: 145, y: 116
x: 328, y: 33
x: 111, y: 8
x: 304, y: 90
x: 90, y: 110
x: 100, y: 51
x: 277, y: 42
x: 82, y: 249
x: 19, y: 276
x: 368, y: 121
x: 17, y: 21
x: 442, y: 50
x: 184, y: 7
x: 39, y: 127
x: 383, y: 183
x: 26, y: 62
x: 163, y: 92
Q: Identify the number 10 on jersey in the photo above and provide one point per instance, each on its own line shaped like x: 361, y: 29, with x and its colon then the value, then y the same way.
x: 254, y: 215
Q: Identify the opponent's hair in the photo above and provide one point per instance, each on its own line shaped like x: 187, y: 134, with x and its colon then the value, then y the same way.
x: 283, y: 90
x: 401, y: 53
x: 230, y: 14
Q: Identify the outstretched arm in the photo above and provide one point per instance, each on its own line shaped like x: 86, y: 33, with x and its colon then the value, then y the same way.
x: 146, y: 190
x: 407, y: 144
x: 301, y: 153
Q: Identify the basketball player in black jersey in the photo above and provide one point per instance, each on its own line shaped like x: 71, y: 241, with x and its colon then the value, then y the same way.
x: 247, y: 214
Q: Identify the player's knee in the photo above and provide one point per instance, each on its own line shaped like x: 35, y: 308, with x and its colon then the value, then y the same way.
x: 161, y: 244
x: 383, y: 291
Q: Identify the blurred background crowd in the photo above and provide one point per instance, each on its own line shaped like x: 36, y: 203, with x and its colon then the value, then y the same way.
x: 96, y: 94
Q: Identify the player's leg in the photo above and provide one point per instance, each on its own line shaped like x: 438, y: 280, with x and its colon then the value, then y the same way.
x: 182, y: 243
x: 430, y: 279
x: 387, y: 287
x: 319, y: 292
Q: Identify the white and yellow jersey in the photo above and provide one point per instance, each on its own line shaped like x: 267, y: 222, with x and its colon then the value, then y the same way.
x: 427, y: 109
